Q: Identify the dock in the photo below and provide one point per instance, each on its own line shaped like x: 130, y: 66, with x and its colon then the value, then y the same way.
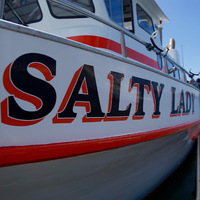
x: 198, y: 169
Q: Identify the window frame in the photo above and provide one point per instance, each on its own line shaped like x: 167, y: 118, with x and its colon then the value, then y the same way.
x: 182, y: 75
x: 69, y: 17
x: 159, y: 61
x: 132, y: 17
x: 137, y: 5
x: 109, y: 9
x: 19, y: 18
x: 172, y: 73
x: 177, y: 73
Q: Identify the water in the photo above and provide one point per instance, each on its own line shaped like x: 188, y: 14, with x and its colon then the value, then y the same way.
x: 181, y: 185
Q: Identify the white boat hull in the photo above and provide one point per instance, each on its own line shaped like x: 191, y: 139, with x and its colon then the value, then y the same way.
x: 122, y: 152
x: 124, y: 173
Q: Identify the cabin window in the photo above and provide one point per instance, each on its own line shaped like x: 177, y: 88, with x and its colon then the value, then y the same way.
x: 59, y: 11
x: 159, y: 60
x: 177, y: 74
x: 144, y: 20
x: 182, y: 75
x: 170, y: 66
x: 121, y: 12
x: 128, y: 15
x: 22, y: 11
x: 114, y: 8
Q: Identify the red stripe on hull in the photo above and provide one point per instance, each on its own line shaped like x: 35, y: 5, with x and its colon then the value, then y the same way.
x: 142, y: 58
x: 100, y: 42
x: 36, y: 153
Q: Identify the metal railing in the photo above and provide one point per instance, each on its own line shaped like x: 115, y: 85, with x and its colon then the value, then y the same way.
x: 87, y: 13
x: 121, y: 30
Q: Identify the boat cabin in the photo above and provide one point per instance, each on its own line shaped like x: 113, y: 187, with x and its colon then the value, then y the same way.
x: 122, y: 27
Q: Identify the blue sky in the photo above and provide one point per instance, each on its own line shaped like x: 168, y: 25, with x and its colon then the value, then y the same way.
x: 184, y: 27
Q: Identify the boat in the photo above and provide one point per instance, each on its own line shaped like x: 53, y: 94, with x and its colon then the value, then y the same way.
x: 93, y: 106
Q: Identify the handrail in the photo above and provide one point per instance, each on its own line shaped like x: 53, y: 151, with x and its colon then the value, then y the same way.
x: 175, y: 63
x: 121, y: 30
x: 98, y: 18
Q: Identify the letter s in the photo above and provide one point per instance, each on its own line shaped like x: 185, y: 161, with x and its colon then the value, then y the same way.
x: 22, y: 85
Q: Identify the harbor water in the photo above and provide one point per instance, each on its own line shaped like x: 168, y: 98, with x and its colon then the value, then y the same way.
x: 181, y: 185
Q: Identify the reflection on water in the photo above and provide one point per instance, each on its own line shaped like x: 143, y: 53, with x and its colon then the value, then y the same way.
x: 181, y: 185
